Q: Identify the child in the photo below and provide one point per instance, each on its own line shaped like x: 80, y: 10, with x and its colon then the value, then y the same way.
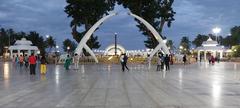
x: 67, y: 62
x: 159, y: 63
x: 43, y: 65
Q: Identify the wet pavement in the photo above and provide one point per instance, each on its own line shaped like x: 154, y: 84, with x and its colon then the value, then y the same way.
x: 198, y: 85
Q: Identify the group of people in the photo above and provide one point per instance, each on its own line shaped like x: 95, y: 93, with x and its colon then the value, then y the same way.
x: 163, y: 61
x: 212, y: 59
x: 31, y: 62
x: 69, y: 60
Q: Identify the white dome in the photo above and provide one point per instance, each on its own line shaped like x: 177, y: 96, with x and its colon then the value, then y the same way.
x: 23, y: 41
x: 110, y: 50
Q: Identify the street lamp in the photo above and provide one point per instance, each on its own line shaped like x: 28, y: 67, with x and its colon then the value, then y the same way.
x: 216, y: 30
x: 115, y: 42
x: 47, y: 36
x: 68, y: 48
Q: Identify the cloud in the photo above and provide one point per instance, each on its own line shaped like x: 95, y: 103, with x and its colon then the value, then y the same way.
x: 193, y: 17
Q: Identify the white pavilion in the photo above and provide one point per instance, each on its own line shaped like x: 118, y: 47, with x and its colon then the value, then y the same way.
x: 210, y: 47
x: 21, y: 47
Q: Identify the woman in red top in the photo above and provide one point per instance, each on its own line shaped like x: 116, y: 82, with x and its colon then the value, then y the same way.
x: 32, y: 61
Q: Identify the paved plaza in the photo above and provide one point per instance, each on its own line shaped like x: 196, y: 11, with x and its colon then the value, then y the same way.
x: 196, y: 85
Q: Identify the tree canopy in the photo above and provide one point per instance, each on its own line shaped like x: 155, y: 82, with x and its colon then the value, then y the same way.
x: 68, y: 43
x: 9, y: 36
x: 185, y: 44
x: 50, y: 41
x: 85, y: 13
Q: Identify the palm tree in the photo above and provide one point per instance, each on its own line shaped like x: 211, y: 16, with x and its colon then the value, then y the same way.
x: 50, y: 43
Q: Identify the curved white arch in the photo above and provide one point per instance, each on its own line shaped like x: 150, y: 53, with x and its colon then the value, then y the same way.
x: 86, y: 37
x: 155, y: 34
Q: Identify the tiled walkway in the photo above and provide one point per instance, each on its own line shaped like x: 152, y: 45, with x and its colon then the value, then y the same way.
x: 105, y: 86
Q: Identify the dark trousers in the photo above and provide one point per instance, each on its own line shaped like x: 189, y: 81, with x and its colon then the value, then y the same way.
x: 21, y: 64
x: 124, y: 65
x: 32, y: 69
x: 158, y: 67
x: 26, y: 64
x: 162, y: 65
x: 167, y: 66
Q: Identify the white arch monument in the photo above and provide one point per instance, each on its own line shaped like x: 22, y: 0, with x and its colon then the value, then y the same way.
x: 161, y: 46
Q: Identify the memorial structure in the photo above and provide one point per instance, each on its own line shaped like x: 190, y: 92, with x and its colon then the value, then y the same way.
x: 210, y: 47
x: 22, y: 46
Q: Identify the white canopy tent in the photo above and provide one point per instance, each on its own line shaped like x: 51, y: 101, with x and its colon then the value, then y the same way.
x: 22, y: 46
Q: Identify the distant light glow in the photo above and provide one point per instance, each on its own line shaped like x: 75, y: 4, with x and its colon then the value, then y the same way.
x: 216, y: 30
x: 110, y: 58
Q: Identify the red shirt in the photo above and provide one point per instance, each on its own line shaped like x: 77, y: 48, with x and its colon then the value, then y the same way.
x: 32, y: 60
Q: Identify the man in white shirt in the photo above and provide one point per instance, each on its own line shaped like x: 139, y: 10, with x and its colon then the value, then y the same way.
x: 76, y: 60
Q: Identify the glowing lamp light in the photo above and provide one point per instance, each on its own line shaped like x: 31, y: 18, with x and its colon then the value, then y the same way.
x: 38, y: 52
x: 216, y: 30
x: 110, y: 58
x: 181, y: 47
x: 165, y: 41
x: 47, y: 36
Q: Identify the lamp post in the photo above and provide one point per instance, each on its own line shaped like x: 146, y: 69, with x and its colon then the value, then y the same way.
x: 115, y: 42
x: 216, y: 30
x: 56, y: 48
x: 181, y: 48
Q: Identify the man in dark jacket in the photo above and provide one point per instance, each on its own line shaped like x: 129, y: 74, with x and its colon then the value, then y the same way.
x: 166, y: 60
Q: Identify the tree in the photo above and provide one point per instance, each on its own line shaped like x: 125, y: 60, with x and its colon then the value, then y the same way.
x: 235, y: 33
x: 86, y: 13
x: 170, y: 44
x: 3, y: 40
x: 37, y: 40
x: 199, y: 40
x: 236, y: 51
x: 156, y: 12
x: 50, y: 43
x: 185, y: 43
x: 68, y: 43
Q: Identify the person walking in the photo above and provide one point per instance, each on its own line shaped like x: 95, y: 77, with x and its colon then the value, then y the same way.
x: 32, y: 61
x: 67, y: 62
x: 76, y: 60
x: 13, y: 59
x: 125, y: 59
x: 43, y: 66
x: 162, y: 61
x: 148, y: 61
x: 21, y: 61
x: 26, y: 61
x: 16, y: 59
x: 166, y: 60
x: 212, y: 60
x: 159, y: 63
x: 184, y: 59
x: 122, y: 61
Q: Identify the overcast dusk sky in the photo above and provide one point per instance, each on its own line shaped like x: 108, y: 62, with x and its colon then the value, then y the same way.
x: 192, y: 17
